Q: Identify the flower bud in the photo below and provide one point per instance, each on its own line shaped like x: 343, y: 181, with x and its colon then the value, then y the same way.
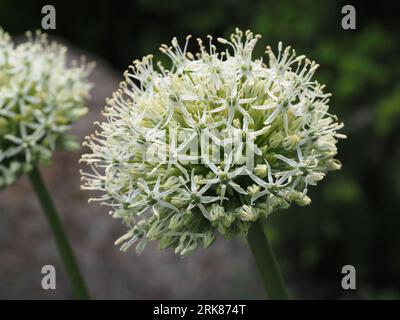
x: 247, y: 213
x: 260, y: 170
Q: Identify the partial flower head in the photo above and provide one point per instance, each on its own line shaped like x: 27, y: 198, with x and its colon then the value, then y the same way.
x: 210, y: 144
x: 40, y: 97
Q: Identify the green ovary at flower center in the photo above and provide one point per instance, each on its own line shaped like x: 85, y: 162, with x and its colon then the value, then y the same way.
x: 223, y: 177
x: 152, y: 199
x: 194, y: 198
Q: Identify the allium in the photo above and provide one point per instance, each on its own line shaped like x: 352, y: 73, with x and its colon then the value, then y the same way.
x: 269, y: 135
x: 40, y: 97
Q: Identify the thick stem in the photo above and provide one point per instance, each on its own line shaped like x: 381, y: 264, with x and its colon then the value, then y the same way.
x: 266, y: 262
x: 59, y: 234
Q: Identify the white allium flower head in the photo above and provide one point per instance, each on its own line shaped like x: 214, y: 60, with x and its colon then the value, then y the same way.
x: 40, y: 97
x: 273, y: 113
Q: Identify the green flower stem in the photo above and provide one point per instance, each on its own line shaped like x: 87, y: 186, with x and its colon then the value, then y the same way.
x: 266, y: 262
x: 60, y: 236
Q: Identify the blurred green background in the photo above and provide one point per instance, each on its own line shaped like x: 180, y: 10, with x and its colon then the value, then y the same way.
x: 355, y: 215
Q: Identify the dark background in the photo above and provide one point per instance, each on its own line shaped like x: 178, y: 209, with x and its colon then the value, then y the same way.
x: 355, y: 215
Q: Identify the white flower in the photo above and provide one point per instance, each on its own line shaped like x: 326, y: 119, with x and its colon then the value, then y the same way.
x: 40, y: 97
x: 273, y: 114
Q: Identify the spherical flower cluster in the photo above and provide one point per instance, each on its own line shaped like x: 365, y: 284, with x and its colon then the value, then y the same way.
x: 40, y: 97
x: 273, y: 114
